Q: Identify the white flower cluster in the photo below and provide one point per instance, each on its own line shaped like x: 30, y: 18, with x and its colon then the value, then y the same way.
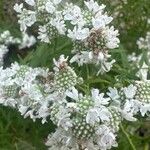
x: 132, y: 100
x: 32, y: 90
x: 89, y: 28
x: 142, y: 61
x: 91, y: 121
x: 27, y: 18
x: 6, y: 39
x: 84, y: 121
x: 144, y: 43
x: 45, y: 12
x: 21, y: 88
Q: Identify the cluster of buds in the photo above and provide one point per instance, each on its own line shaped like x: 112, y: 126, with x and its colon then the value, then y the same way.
x: 88, y: 28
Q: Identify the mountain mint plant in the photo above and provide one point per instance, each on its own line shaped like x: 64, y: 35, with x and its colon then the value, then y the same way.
x: 86, y: 117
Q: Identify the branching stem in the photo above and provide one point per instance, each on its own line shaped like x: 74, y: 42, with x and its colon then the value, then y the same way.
x: 128, y: 137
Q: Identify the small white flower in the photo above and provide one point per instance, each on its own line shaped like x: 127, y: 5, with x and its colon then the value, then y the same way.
x: 130, y: 91
x: 50, y: 7
x: 106, y: 138
x: 113, y: 93
x: 92, y: 116
x: 59, y: 23
x: 27, y: 41
x: 144, y: 43
x: 73, y: 13
x: 143, y: 72
x: 144, y: 108
x: 110, y: 34
x: 63, y: 117
x: 43, y: 35
x: 27, y: 19
x: 93, y: 6
x: 99, y: 98
x: 23, y: 109
x: 30, y: 2
x: 81, y: 58
x: 73, y: 94
x: 61, y: 61
x: 78, y: 33
x: 98, y: 114
x: 105, y: 66
x: 129, y: 110
x: 101, y: 21
x: 18, y: 8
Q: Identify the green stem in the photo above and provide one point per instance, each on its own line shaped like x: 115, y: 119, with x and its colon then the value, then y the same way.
x: 128, y: 137
x: 81, y: 88
x: 55, y: 45
x: 88, y: 76
x: 146, y: 146
x: 87, y: 71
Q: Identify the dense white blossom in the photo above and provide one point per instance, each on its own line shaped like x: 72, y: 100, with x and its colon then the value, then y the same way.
x: 73, y: 14
x: 84, y: 122
x: 89, y: 26
x: 20, y: 87
x: 136, y: 99
x: 31, y: 91
x: 127, y: 111
x: 93, y: 119
x: 26, y: 17
x: 78, y: 33
x: 94, y: 6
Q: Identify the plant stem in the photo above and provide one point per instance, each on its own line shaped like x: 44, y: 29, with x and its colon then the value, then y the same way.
x: 146, y: 146
x: 88, y: 75
x: 55, y: 45
x: 128, y: 137
x: 87, y: 71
